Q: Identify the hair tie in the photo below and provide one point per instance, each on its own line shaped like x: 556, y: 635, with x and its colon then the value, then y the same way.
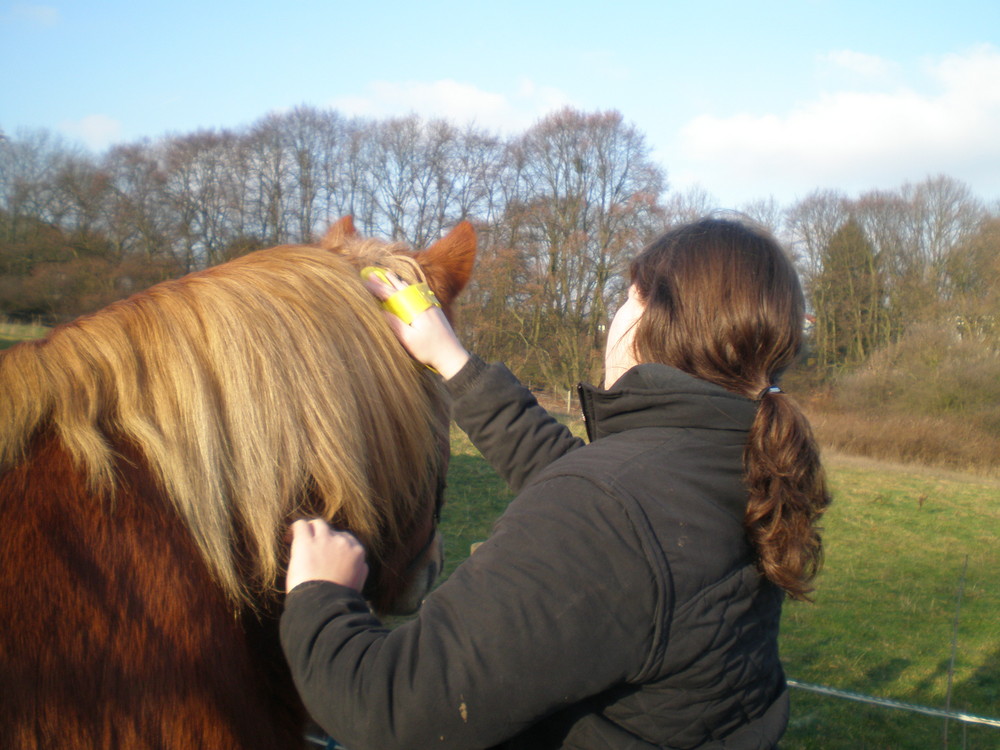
x: 769, y: 389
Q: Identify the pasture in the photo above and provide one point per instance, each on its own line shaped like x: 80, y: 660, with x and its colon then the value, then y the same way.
x: 11, y: 332
x: 885, y: 607
x: 894, y: 586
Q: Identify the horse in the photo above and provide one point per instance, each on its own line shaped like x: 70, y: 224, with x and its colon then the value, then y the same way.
x: 152, y: 455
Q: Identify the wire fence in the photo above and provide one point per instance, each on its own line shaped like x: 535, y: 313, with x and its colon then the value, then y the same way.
x: 317, y: 739
x: 900, y: 705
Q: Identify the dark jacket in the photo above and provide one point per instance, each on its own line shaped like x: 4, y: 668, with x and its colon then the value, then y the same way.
x: 616, y: 604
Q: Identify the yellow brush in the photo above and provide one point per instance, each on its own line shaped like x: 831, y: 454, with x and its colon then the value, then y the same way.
x: 405, y: 303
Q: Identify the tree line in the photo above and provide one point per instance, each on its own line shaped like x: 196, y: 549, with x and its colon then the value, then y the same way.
x: 560, y: 208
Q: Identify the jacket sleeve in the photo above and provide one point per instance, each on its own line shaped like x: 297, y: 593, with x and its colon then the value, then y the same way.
x: 506, y: 423
x: 556, y: 606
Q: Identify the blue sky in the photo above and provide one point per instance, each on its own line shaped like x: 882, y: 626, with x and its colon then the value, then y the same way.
x: 745, y: 100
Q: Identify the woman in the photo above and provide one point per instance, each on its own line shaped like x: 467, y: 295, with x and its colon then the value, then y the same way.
x: 630, y: 595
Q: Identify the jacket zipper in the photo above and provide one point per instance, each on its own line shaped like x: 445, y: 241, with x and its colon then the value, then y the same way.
x: 585, y: 407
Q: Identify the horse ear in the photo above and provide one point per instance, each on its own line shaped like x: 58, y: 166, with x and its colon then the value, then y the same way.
x: 448, y: 262
x: 341, y: 231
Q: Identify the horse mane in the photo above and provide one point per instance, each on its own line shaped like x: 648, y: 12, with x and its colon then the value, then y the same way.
x: 258, y: 391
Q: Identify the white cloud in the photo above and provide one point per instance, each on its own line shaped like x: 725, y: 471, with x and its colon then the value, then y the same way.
x: 868, y: 66
x: 96, y: 131
x: 975, y: 74
x: 455, y: 101
x: 854, y: 141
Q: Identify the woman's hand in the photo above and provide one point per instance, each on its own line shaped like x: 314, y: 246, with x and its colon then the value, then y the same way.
x: 320, y: 553
x: 430, y: 338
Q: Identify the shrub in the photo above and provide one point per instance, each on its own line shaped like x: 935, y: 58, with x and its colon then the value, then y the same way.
x: 931, y: 372
x: 932, y: 398
x: 930, y: 441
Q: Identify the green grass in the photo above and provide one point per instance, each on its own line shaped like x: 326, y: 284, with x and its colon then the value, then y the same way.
x: 475, y: 498
x: 13, y: 333
x: 896, y: 542
x: 886, y: 603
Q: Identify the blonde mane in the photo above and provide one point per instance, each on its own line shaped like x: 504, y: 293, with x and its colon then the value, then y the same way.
x: 257, y: 391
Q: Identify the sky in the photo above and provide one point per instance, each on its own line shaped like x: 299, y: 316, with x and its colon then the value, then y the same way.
x: 743, y: 100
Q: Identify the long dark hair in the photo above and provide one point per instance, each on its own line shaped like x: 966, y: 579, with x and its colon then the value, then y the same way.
x: 724, y: 304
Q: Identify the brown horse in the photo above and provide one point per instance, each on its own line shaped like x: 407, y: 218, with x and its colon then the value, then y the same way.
x: 151, y: 457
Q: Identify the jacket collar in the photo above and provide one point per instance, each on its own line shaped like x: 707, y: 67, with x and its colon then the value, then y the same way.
x: 656, y: 395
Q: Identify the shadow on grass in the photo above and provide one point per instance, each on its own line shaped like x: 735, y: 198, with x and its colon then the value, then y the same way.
x: 985, y: 682
x: 886, y: 673
x: 476, y: 497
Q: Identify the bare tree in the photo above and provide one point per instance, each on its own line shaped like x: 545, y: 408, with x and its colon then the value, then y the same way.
x: 586, y: 195
x: 560, y: 208
x: 973, y: 270
x: 207, y: 177
x: 689, y: 205
x: 944, y: 214
x: 767, y: 212
x: 269, y: 179
x: 811, y: 224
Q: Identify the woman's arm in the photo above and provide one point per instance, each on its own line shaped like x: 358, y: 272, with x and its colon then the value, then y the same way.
x: 501, y: 417
x: 506, y: 423
x: 558, y: 605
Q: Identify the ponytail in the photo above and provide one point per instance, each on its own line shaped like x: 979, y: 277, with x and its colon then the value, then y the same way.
x: 723, y: 303
x: 788, y: 495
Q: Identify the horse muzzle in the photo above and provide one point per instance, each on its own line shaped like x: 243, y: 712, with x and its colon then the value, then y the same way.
x: 424, y: 569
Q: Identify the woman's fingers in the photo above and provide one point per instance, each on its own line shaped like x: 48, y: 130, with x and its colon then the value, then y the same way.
x: 428, y: 337
x: 321, y: 553
x: 380, y: 288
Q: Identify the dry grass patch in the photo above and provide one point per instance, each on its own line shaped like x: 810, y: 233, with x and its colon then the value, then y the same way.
x: 945, y: 442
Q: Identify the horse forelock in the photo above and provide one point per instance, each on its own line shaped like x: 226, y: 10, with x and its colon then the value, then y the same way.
x: 257, y: 391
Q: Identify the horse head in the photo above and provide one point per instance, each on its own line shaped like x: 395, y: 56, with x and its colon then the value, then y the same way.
x: 152, y: 456
x: 401, y: 579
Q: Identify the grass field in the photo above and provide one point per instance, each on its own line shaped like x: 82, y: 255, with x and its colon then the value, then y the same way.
x: 882, y: 624
x: 12, y: 333
x: 897, y: 541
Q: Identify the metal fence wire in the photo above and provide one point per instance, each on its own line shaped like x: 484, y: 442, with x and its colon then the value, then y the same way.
x: 900, y: 705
